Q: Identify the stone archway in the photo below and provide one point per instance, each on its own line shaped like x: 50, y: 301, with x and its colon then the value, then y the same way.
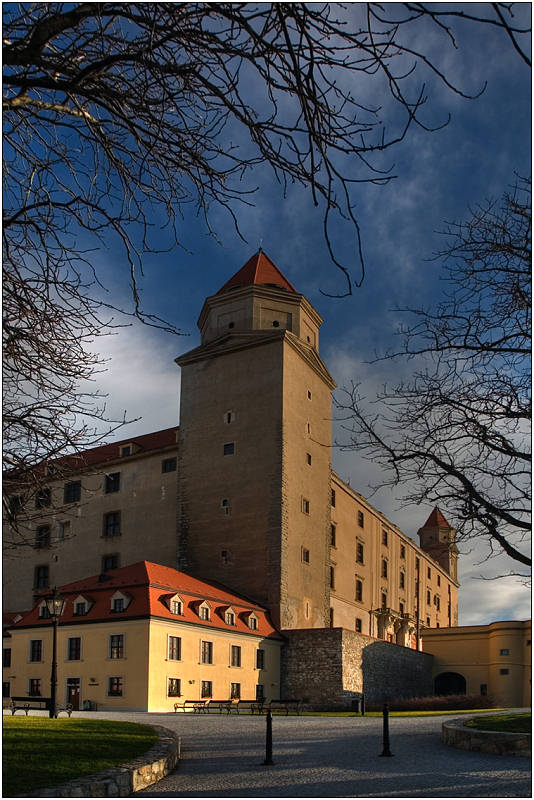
x: 449, y: 683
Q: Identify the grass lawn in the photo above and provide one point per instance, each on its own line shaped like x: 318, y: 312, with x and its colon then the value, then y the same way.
x: 40, y: 752
x: 506, y: 723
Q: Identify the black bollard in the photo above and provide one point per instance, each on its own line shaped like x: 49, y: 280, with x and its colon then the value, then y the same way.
x: 363, y: 705
x: 269, y: 741
x: 385, y: 716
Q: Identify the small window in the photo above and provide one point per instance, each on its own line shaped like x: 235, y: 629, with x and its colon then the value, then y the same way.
x: 504, y: 652
x: 112, y: 523
x: 6, y: 689
x: 309, y: 395
x: 332, y: 577
x: 229, y: 417
x: 401, y: 580
x: 401, y: 608
x: 42, y: 536
x: 34, y: 687
x: 44, y: 613
x: 112, y: 482
x: 229, y: 449
x: 74, y: 646
x: 168, y: 465
x: 260, y: 659
x: 428, y: 601
x: 235, y: 688
x: 358, y: 625
x: 305, y: 506
x: 260, y: 692
x: 276, y: 324
x: 126, y: 451
x: 332, y: 535
x: 483, y: 689
x: 308, y: 459
x: 235, y: 656
x: 332, y: 497
x: 204, y: 613
x: 439, y: 580
x: 6, y: 657
x: 504, y: 672
x: 359, y: 552
x: 80, y: 609
x: 437, y: 602
x: 176, y: 607
x: 174, y: 651
x: 118, y: 604
x: 308, y: 427
x: 43, y: 498
x: 359, y: 590
x: 331, y: 620
x: 115, y: 687
x: 40, y: 577
x: 173, y: 687
x: 231, y: 325
x: 206, y: 689
x: 384, y: 600
x: 229, y: 618
x: 14, y: 505
x: 206, y: 652
x: 429, y: 573
x: 62, y: 530
x: 402, y: 551
x: 384, y: 568
x: 225, y: 505
x: 36, y: 649
x: 253, y: 623
x: 72, y: 492
x: 360, y: 519
x: 384, y: 537
x: 305, y: 555
x: 110, y: 562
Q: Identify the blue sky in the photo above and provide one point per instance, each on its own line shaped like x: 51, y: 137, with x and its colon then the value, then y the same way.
x: 440, y: 175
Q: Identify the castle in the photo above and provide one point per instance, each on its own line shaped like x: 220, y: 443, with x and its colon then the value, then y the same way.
x: 242, y: 495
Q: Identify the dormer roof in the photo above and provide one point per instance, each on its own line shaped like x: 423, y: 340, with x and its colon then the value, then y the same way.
x: 258, y: 271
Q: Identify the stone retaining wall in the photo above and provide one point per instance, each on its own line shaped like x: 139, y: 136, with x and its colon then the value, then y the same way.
x: 455, y: 733
x: 331, y: 667
x: 121, y: 781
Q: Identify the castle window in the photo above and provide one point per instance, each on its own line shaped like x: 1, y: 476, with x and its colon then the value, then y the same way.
x: 72, y: 492
x: 384, y: 568
x: 359, y: 590
x: 260, y: 692
x: 305, y: 555
x: 504, y: 672
x: 34, y: 688
x: 331, y: 617
x: 42, y: 536
x: 360, y: 519
x: 80, y: 609
x: 115, y: 687
x: 384, y: 537
x: 260, y: 659
x: 308, y: 427
x: 437, y: 602
x: 229, y: 618
x: 384, y: 600
x: 118, y: 604
x: 74, y: 648
x: 504, y: 652
x: 173, y: 687
x: 229, y: 449
x: 176, y: 607
x: 44, y: 613
x: 112, y: 523
x: 308, y: 458
x: 309, y: 395
x: 112, y: 483
x: 483, y: 689
x: 229, y: 417
x: 204, y: 612
x: 174, y: 648
x: 332, y: 535
x: 439, y: 580
x: 206, y: 686
x: 225, y: 505
x: 235, y: 656
x: 402, y: 551
x: 428, y: 622
x: 235, y: 688
x: 401, y: 580
x: 332, y: 577
x: 168, y: 465
x: 62, y: 530
x: 428, y: 598
x: 206, y: 652
x: 401, y: 608
x: 231, y: 325
x: 110, y: 562
x: 36, y: 650
x: 253, y: 622
x: 305, y: 506
x: 358, y: 625
x: 43, y: 498
x: 276, y: 324
x: 332, y: 497
x: 40, y: 577
x: 359, y: 552
x: 429, y: 573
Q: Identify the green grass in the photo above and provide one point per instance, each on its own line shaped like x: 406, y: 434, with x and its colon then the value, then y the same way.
x: 505, y: 723
x: 40, y: 752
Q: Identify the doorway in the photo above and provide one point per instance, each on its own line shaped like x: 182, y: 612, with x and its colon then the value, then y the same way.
x: 73, y: 693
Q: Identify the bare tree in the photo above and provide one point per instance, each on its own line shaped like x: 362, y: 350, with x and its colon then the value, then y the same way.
x: 458, y: 433
x: 118, y: 116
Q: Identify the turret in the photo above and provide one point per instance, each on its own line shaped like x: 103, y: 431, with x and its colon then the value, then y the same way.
x: 437, y: 538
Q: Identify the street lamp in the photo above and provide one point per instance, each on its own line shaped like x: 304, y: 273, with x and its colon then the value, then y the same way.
x: 55, y: 604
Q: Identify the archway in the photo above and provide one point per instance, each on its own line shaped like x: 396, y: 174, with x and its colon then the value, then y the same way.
x: 449, y: 683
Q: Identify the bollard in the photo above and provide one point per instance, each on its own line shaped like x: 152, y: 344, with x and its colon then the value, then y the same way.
x: 269, y: 740
x: 385, y: 715
x: 363, y: 705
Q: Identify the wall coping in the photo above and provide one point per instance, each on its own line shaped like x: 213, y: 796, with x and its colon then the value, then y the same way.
x: 121, y: 781
x: 455, y: 734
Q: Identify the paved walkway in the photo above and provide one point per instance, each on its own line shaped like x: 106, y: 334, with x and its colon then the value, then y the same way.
x: 327, y: 757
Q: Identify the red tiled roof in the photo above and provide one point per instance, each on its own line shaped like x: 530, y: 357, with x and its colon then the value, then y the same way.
x: 110, y: 452
x: 149, y: 586
x: 436, y: 519
x: 260, y: 271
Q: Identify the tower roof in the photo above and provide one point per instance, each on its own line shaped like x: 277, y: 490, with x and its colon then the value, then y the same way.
x: 258, y: 271
x: 436, y: 519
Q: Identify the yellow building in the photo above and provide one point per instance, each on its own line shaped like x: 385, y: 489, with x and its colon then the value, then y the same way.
x: 144, y: 638
x: 492, y: 660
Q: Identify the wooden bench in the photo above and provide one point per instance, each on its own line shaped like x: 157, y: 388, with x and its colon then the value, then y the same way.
x: 196, y: 706
x: 36, y: 704
x: 218, y: 705
x: 251, y: 706
x: 284, y: 705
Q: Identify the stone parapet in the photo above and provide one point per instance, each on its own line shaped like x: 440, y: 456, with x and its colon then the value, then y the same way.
x: 455, y: 733
x: 121, y: 781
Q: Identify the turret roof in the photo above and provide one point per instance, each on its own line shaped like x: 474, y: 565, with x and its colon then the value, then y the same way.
x: 258, y: 271
x: 436, y: 519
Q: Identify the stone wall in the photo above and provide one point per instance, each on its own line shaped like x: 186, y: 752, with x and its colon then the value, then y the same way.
x: 332, y: 667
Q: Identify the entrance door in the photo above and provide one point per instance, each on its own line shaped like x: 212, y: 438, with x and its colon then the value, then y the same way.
x: 73, y: 693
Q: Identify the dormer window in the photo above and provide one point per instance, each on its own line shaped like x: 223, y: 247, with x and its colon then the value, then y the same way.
x: 176, y: 605
x: 253, y: 622
x: 204, y: 612
x: 80, y: 609
x: 44, y: 613
x: 129, y: 449
x: 119, y: 602
x: 229, y: 617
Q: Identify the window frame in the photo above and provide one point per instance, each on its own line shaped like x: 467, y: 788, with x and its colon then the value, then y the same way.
x: 118, y: 682
x: 169, y: 465
x: 206, y: 651
x: 111, y: 524
x: 174, y: 645
x: 116, y: 650
x: 235, y: 655
x: 35, y: 649
x: 112, y: 482
x: 74, y: 648
x: 178, y: 693
x: 72, y: 492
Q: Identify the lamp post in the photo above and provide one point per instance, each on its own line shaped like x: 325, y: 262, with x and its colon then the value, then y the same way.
x: 55, y: 604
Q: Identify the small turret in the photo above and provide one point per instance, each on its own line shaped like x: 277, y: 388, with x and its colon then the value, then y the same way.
x: 437, y: 538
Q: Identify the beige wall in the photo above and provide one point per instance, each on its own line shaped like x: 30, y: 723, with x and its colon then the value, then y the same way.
x: 147, y: 504
x: 476, y: 653
x: 145, y: 667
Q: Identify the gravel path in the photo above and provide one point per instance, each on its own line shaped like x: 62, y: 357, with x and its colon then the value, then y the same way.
x: 327, y: 757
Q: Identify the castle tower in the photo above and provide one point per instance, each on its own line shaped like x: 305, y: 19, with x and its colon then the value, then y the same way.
x: 255, y: 447
x: 437, y: 538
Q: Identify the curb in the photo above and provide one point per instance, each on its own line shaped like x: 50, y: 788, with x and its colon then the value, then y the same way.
x: 122, y: 781
x: 455, y: 734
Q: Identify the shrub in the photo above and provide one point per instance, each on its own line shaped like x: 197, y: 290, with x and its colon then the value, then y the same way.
x: 448, y: 702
